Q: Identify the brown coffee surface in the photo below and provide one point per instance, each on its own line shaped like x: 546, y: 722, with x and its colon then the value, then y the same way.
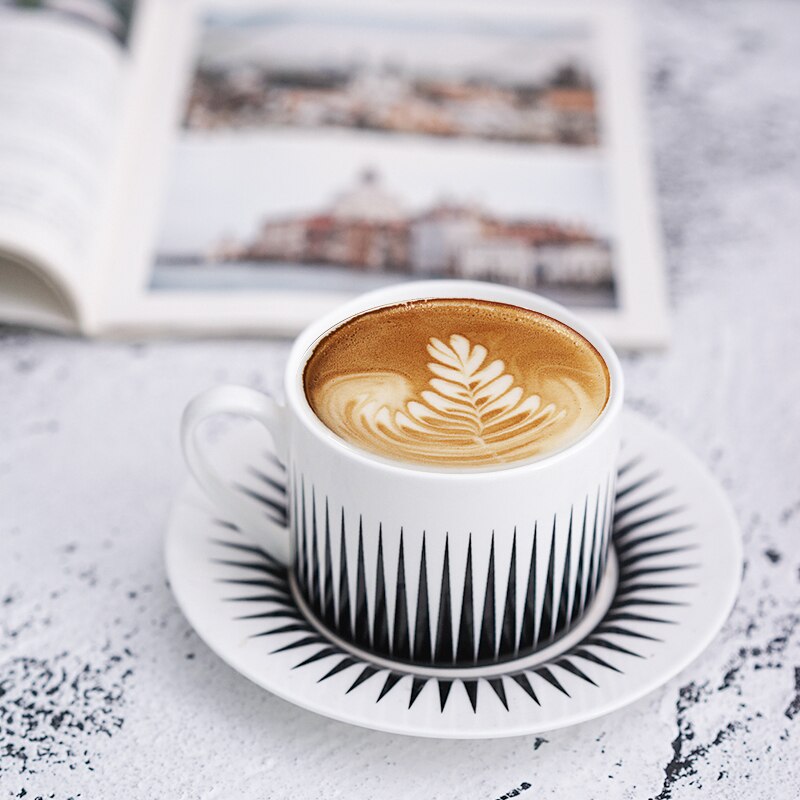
x: 456, y: 382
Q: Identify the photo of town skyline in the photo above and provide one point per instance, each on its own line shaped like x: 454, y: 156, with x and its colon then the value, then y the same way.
x: 513, y: 82
x: 312, y: 162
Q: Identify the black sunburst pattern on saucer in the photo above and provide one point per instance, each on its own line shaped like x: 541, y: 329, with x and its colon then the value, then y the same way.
x: 647, y: 537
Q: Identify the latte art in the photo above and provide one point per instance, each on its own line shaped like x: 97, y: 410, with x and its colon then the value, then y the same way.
x: 458, y: 405
x: 472, y: 412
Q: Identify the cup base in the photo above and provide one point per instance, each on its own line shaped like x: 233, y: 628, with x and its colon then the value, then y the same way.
x: 593, y: 615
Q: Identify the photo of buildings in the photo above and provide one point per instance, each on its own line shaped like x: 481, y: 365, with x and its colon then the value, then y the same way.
x: 336, y: 151
x: 507, y: 83
x: 558, y: 109
x: 367, y: 229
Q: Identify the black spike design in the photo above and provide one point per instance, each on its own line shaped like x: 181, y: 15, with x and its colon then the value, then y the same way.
x: 400, y: 640
x: 566, y: 583
x: 318, y: 656
x: 344, y: 625
x: 328, y: 610
x: 344, y: 664
x: 422, y: 627
x: 486, y: 646
x: 313, y: 590
x: 255, y: 566
x: 646, y: 541
x: 632, y: 487
x: 276, y: 483
x: 362, y: 637
x: 608, y: 520
x: 444, y: 629
x: 625, y: 468
x: 466, y: 629
x: 579, y: 604
x: 624, y: 513
x: 472, y: 692
x: 544, y: 672
x: 444, y: 692
x: 623, y: 547
x: 569, y: 666
x: 507, y: 632
x: 604, y: 532
x: 392, y: 679
x: 417, y: 685
x: 546, y: 623
x: 303, y: 535
x: 625, y: 530
x: 522, y: 681
x: 593, y: 555
x: 527, y: 634
x: 298, y: 558
x: 288, y: 612
x: 274, y: 509
x: 364, y: 675
x: 273, y: 459
x: 380, y: 639
x: 499, y: 690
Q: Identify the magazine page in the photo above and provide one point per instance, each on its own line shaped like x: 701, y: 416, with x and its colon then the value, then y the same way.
x: 318, y: 151
x: 62, y: 68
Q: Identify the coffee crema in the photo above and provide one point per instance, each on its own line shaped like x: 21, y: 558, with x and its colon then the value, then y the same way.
x: 456, y: 382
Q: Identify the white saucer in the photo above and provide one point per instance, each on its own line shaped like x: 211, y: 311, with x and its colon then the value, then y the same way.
x: 666, y: 594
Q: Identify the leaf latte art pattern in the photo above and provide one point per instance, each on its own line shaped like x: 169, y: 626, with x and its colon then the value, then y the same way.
x: 472, y: 411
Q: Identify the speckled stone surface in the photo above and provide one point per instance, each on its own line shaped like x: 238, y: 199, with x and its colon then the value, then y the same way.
x: 105, y: 692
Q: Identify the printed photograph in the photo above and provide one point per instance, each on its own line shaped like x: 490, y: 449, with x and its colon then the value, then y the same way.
x: 112, y: 17
x: 323, y: 152
x: 503, y: 82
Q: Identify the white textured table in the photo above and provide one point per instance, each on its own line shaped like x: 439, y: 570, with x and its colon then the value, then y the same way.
x: 105, y: 692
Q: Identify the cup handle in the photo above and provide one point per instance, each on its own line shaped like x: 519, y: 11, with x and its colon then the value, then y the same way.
x: 268, y: 534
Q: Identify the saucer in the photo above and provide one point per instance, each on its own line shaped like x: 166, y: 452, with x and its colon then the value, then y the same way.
x: 672, y: 579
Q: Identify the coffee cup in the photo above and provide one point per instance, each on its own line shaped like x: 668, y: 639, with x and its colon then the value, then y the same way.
x: 411, y: 534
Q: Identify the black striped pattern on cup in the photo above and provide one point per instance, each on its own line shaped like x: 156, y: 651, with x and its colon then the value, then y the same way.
x: 435, y: 620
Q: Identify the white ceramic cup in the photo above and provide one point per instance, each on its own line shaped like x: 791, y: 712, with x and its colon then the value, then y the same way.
x: 432, y: 566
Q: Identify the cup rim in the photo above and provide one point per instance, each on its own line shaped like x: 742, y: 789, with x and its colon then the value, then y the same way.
x: 298, y: 404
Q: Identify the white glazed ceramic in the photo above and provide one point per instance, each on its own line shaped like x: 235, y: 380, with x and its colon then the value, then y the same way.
x: 674, y: 569
x: 436, y: 567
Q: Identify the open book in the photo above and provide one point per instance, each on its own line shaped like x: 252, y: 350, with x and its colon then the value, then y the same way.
x: 241, y: 167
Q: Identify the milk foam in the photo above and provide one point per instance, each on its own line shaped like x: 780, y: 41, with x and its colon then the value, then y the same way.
x: 456, y: 400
